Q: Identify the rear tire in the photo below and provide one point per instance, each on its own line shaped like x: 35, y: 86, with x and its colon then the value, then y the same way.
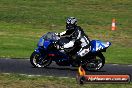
x: 100, y: 63
x: 37, y: 61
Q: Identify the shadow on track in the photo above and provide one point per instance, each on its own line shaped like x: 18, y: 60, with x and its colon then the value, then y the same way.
x: 66, y: 68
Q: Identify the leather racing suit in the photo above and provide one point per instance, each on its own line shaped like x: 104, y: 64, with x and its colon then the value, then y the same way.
x: 77, y: 35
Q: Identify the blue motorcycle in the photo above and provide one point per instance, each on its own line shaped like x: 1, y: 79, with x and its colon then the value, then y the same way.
x: 47, y: 52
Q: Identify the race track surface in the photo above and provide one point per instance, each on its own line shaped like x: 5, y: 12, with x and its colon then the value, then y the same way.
x: 23, y: 66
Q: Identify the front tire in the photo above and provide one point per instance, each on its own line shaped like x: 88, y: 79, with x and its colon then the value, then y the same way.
x: 37, y: 61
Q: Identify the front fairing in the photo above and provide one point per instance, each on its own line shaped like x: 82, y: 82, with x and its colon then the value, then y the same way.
x: 47, y: 39
x: 45, y: 47
x: 40, y: 42
x: 44, y: 43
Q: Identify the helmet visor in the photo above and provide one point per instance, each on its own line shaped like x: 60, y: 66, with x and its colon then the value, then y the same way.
x: 70, y: 26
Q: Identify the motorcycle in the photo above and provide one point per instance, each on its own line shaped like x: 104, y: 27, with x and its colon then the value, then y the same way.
x: 47, y: 51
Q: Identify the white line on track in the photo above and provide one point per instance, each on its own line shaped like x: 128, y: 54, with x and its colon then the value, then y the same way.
x: 129, y: 65
x: 39, y: 76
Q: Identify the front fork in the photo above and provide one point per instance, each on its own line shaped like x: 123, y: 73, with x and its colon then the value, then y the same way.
x: 40, y: 51
x: 44, y: 53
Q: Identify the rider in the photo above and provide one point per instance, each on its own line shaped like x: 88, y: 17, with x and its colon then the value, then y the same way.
x: 75, y: 33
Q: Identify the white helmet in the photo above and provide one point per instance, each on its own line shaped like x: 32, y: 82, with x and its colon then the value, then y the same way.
x: 71, y: 22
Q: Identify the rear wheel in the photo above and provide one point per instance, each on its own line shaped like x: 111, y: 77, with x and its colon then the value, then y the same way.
x: 37, y: 61
x: 96, y: 63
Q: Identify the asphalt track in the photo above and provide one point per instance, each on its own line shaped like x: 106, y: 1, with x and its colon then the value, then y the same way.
x: 23, y: 66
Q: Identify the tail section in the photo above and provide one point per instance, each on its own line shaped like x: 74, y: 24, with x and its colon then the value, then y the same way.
x: 97, y: 45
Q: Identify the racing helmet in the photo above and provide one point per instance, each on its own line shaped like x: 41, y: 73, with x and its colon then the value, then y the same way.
x: 71, y: 23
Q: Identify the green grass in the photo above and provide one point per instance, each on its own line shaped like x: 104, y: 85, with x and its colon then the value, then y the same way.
x: 22, y: 22
x: 19, y: 81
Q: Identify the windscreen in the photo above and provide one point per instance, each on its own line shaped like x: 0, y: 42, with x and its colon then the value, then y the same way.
x: 50, y: 36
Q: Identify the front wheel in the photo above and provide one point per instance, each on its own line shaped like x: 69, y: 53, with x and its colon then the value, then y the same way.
x: 37, y: 61
x: 95, y: 63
